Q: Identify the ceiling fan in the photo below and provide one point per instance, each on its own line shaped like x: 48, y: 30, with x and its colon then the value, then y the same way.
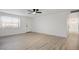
x: 34, y: 11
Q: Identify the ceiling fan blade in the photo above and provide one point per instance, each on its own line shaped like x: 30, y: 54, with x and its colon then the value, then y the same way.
x: 74, y: 11
x: 30, y: 10
x: 38, y: 12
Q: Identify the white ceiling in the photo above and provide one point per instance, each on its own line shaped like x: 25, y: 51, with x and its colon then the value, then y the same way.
x: 24, y: 12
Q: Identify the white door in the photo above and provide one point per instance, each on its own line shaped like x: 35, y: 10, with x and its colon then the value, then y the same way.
x: 73, y: 23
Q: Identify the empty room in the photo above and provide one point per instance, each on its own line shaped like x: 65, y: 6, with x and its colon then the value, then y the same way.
x: 39, y: 29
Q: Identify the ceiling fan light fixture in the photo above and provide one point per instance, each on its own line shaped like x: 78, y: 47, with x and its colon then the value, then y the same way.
x: 34, y: 13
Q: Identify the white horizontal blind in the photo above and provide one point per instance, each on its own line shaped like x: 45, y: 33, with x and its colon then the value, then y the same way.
x: 9, y: 22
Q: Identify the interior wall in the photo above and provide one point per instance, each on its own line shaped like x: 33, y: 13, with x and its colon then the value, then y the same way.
x: 52, y: 24
x: 25, y: 26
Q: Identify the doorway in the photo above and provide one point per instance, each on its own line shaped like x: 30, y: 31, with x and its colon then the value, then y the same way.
x: 73, y: 23
x: 73, y: 31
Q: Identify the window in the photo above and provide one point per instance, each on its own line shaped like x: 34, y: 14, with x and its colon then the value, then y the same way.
x: 9, y: 21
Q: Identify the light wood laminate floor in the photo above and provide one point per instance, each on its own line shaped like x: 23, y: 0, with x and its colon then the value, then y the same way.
x: 31, y: 41
x: 72, y: 42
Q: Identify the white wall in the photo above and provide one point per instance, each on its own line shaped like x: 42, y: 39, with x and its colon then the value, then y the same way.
x: 24, y: 21
x: 53, y: 24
